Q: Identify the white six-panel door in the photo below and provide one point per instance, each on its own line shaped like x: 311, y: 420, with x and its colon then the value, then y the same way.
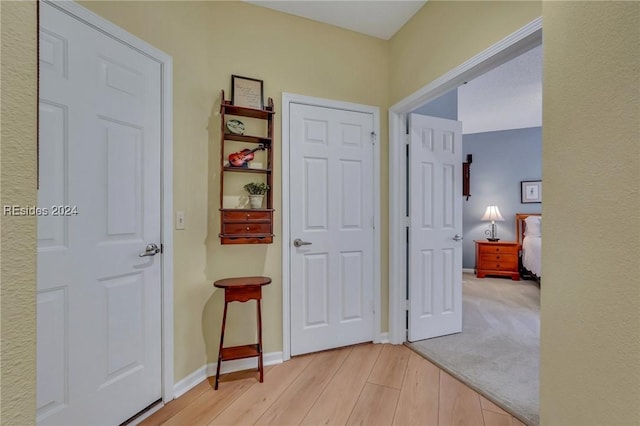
x: 435, y: 212
x: 331, y: 198
x: 99, y: 303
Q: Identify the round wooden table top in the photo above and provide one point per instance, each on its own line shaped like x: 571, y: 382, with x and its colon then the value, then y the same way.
x: 241, y: 282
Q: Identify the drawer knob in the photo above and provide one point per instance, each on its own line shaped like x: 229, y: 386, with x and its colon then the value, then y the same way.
x: 247, y: 228
x: 248, y: 216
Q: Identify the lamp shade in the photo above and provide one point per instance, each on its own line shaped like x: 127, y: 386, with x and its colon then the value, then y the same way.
x: 492, y: 213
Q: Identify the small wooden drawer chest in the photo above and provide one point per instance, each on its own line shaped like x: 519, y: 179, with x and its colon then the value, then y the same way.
x: 247, y: 226
x: 497, y: 258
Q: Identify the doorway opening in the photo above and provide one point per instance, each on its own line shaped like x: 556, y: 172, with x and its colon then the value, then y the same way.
x: 525, y: 40
x: 519, y: 42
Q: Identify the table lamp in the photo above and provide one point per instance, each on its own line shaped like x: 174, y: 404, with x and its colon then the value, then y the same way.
x: 492, y: 213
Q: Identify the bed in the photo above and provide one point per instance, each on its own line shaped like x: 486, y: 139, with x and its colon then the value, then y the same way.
x: 529, y: 234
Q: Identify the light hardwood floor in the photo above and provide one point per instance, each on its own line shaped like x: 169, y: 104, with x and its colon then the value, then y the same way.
x: 358, y: 385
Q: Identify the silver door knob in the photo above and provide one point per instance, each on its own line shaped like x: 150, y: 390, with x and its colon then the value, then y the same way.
x: 457, y: 237
x: 151, y: 250
x: 298, y: 243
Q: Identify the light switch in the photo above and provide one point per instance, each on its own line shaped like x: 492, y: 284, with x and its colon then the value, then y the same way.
x: 179, y: 220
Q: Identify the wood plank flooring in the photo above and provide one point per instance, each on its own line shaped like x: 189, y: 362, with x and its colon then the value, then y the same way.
x: 358, y: 385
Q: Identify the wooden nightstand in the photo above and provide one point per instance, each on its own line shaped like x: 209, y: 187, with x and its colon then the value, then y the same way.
x: 497, y: 258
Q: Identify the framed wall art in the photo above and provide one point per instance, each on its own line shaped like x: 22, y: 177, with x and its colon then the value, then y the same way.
x: 531, y: 191
x: 246, y: 92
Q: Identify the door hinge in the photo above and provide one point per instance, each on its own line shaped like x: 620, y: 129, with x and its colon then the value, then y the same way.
x: 407, y: 139
x: 407, y: 222
x: 373, y: 137
x: 406, y: 305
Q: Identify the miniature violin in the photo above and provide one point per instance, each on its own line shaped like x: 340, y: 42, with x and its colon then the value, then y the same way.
x: 241, y: 158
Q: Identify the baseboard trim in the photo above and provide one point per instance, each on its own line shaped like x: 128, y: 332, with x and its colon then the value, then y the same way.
x: 209, y: 370
x: 468, y: 270
x: 382, y: 338
x: 186, y: 384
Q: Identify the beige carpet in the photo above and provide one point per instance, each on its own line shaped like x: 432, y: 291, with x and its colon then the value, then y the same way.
x: 497, y: 353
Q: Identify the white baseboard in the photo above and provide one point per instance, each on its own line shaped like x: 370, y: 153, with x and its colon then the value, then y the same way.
x: 383, y: 338
x: 186, y: 384
x: 468, y: 270
x: 209, y: 370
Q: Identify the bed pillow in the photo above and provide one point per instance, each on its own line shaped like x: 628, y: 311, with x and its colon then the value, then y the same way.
x: 533, y: 226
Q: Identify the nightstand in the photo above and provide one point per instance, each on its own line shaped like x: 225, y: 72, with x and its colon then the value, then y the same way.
x: 497, y: 258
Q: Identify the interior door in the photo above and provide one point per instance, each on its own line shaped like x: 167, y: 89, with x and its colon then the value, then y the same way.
x: 331, y: 188
x: 435, y: 230
x: 99, y: 302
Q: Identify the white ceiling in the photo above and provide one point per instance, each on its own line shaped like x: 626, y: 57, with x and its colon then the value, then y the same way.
x: 380, y: 19
x: 507, y: 97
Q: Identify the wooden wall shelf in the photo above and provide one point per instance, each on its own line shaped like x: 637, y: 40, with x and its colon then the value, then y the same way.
x: 248, y: 139
x: 246, y: 226
x: 247, y: 170
x: 263, y: 114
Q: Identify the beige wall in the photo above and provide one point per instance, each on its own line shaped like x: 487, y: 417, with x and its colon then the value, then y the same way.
x: 445, y: 34
x: 18, y: 187
x: 209, y: 41
x: 590, y: 337
x: 590, y: 316
x: 590, y: 353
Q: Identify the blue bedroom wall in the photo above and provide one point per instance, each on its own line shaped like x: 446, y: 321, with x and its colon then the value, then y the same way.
x: 500, y: 161
x: 445, y: 106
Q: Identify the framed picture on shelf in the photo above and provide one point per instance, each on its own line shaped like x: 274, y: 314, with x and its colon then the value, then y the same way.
x: 246, y: 92
x: 531, y: 191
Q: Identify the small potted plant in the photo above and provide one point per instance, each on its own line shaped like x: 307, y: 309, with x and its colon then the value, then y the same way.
x: 256, y: 192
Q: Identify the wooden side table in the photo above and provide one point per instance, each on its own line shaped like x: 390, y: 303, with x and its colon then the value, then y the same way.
x: 497, y: 258
x: 241, y: 289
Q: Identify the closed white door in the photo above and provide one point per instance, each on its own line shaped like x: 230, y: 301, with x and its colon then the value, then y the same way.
x: 99, y: 302
x: 435, y: 230
x: 331, y: 217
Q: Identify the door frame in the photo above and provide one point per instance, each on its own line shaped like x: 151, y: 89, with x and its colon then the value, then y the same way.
x: 287, y: 100
x: 522, y: 40
x: 166, y: 169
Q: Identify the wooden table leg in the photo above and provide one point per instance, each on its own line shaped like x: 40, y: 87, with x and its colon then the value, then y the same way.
x: 260, y: 364
x: 224, y: 323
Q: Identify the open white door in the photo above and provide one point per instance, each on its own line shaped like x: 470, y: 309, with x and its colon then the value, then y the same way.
x: 435, y: 230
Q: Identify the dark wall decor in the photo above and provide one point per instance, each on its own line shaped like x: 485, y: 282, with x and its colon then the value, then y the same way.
x: 531, y: 191
x: 247, y: 92
x: 466, y: 177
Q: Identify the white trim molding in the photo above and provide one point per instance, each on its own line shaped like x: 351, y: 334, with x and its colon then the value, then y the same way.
x: 209, y: 370
x: 287, y: 100
x: 384, y: 338
x: 166, y: 69
x: 506, y: 49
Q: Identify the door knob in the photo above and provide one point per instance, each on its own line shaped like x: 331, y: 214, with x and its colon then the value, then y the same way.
x: 298, y: 243
x: 151, y: 250
x: 457, y: 237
